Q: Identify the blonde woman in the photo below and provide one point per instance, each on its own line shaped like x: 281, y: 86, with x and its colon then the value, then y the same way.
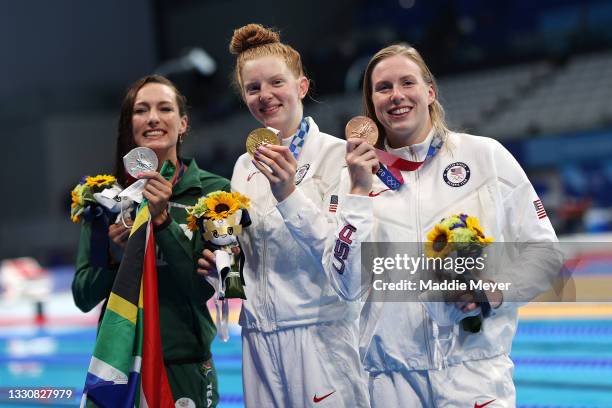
x: 415, y: 358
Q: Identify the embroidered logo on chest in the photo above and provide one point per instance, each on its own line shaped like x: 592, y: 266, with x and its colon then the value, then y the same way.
x: 251, y: 175
x: 301, y: 173
x: 184, y: 402
x: 456, y: 174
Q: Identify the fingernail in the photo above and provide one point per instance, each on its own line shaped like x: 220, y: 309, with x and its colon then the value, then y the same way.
x: 256, y: 153
x: 253, y: 161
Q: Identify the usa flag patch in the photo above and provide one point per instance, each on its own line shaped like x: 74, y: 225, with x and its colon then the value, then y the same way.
x: 333, y: 203
x: 539, y: 207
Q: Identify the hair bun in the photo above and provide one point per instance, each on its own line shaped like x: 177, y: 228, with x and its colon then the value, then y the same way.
x: 250, y: 36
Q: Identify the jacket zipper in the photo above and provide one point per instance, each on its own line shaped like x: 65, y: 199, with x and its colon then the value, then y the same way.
x: 266, y: 323
x: 417, y: 194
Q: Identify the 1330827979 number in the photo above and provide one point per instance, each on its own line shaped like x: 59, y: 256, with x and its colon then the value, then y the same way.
x: 38, y: 393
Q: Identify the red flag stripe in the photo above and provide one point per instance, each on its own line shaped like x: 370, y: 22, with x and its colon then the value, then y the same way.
x: 539, y: 207
x: 155, y: 386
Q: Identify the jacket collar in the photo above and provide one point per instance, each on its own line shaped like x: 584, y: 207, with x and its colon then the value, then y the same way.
x: 418, y: 150
x: 190, y: 179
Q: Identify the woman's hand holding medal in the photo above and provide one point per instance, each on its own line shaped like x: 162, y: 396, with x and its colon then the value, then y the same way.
x: 278, y: 165
x: 141, y: 163
x: 361, y: 135
x: 275, y: 162
x: 157, y: 191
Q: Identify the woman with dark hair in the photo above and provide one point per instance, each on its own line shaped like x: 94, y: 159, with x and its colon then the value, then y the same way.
x: 154, y: 115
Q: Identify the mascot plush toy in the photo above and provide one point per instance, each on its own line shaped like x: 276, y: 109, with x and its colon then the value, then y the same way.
x: 220, y: 217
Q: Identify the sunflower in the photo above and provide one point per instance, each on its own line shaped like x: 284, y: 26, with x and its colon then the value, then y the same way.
x: 77, y: 202
x: 192, y: 223
x: 77, y: 197
x: 474, y: 225
x: 217, y: 205
x: 484, y: 240
x: 100, y: 180
x: 440, y: 242
x: 221, y: 205
x: 243, y: 200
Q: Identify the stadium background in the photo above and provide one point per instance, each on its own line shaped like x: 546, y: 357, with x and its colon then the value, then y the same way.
x: 535, y: 75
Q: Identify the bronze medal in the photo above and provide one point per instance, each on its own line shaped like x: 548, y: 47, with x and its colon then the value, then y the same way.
x: 362, y: 127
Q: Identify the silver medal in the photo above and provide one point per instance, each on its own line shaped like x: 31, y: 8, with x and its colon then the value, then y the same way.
x: 140, y: 159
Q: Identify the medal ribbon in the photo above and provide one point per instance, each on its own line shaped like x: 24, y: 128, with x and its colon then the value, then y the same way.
x: 298, y: 139
x: 178, y: 174
x: 391, y: 165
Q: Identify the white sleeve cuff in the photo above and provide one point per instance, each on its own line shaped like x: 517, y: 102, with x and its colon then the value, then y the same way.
x: 292, y: 204
x: 356, y: 204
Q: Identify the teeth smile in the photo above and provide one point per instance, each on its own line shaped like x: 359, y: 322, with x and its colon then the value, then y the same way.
x: 399, y: 111
x: 153, y: 133
x: 270, y: 108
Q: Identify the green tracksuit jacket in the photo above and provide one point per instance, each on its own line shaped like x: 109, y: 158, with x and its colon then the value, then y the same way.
x: 187, y: 329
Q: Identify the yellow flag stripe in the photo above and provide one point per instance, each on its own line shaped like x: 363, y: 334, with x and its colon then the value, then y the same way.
x: 141, y: 218
x: 122, y: 307
x: 141, y: 294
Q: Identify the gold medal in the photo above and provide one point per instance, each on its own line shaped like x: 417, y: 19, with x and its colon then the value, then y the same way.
x: 260, y: 137
x: 362, y: 127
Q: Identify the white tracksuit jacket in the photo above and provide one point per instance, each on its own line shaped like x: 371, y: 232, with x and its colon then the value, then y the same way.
x: 398, y: 336
x: 286, y: 285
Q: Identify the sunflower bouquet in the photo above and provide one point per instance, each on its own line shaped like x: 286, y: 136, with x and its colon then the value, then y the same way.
x: 88, y: 193
x: 93, y: 200
x: 220, y: 216
x: 461, y: 233
x: 460, y: 236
